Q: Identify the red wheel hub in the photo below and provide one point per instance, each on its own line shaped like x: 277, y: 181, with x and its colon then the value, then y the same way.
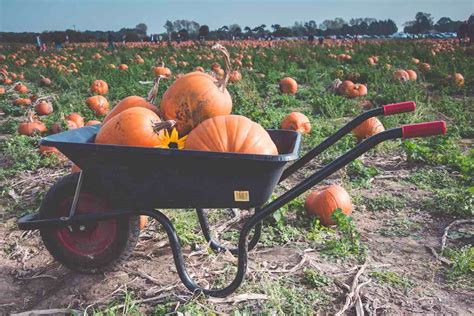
x: 90, y: 239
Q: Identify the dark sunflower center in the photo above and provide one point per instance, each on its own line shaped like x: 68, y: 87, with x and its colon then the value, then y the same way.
x: 173, y: 145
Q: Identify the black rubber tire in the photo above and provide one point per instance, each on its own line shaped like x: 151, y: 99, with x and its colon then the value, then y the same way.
x: 128, y: 231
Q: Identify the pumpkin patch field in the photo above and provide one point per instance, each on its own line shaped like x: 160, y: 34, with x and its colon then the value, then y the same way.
x: 389, y: 233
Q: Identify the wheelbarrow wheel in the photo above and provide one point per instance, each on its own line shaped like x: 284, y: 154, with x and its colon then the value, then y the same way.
x: 90, y: 248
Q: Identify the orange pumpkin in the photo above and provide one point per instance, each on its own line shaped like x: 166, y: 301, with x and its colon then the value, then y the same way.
x: 401, y: 75
x: 162, y: 71
x: 92, y: 122
x: 21, y: 88
x: 357, y: 90
x: 99, y: 87
x: 2, y: 90
x: 296, y: 121
x: 412, y: 74
x: 136, y: 126
x: 368, y: 128
x: 344, y: 87
x: 32, y: 126
x: 288, y: 85
x: 98, y: 104
x: 458, y: 80
x: 231, y: 133
x: 130, y: 102
x: 76, y: 118
x: 22, y: 101
x: 123, y: 67
x: 325, y: 200
x: 48, y: 150
x: 196, y: 97
x: 235, y: 76
x: 44, y: 108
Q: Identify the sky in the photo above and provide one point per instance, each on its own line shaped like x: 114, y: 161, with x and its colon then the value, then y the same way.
x: 51, y: 15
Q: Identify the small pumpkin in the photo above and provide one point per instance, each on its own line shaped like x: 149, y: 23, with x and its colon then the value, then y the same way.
x: 296, y: 121
x: 288, y: 85
x: 21, y: 88
x: 401, y: 75
x: 458, y: 80
x: 135, y: 126
x: 231, y: 133
x: 235, y: 76
x: 45, y: 81
x: 32, y: 126
x: 368, y: 128
x: 123, y: 67
x: 43, y: 108
x: 196, y: 97
x: 162, y: 71
x: 76, y: 118
x: 98, y: 104
x: 99, y: 87
x: 357, y: 90
x: 412, y: 75
x: 325, y: 200
x: 92, y: 122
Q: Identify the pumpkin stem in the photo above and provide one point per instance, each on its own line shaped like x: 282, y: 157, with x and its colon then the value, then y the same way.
x: 223, y: 82
x: 157, y: 127
x: 154, y: 91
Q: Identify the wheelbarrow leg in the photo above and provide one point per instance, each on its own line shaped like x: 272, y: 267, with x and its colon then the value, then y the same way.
x: 179, y: 260
x: 216, y: 246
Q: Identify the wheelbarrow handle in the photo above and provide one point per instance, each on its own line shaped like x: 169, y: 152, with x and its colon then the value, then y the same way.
x: 424, y: 129
x: 397, y: 108
x: 388, y: 109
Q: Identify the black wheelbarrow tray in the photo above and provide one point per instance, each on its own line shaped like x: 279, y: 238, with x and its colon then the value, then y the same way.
x: 89, y: 220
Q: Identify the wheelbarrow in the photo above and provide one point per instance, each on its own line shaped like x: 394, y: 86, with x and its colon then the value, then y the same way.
x: 89, y: 221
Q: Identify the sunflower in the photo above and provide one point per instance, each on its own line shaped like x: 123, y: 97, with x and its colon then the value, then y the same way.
x: 171, y: 141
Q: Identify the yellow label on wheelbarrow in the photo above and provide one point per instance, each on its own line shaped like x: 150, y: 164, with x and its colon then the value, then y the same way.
x: 241, y: 196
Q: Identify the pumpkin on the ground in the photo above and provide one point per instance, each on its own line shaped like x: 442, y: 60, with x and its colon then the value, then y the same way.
x: 288, y: 85
x: 98, y: 104
x: 325, y: 200
x: 296, y: 121
x: 368, y: 128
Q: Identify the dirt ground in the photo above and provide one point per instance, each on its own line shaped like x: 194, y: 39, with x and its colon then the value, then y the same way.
x: 31, y: 280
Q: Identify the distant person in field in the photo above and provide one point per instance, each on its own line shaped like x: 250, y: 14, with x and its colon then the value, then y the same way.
x: 321, y: 40
x: 58, y: 44
x: 38, y: 43
x: 110, y: 39
x: 67, y: 40
x: 311, y: 38
x: 124, y: 39
x: 44, y: 47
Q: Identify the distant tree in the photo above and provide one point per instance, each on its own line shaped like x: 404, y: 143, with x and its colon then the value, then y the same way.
x: 310, y: 27
x: 445, y: 24
x: 298, y: 29
x: 141, y: 28
x: 169, y: 26
x: 335, y: 24
x: 203, y: 31
x: 423, y: 23
x: 235, y: 30
x: 283, y: 32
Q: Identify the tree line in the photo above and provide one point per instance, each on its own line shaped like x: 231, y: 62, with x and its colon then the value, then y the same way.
x: 188, y: 29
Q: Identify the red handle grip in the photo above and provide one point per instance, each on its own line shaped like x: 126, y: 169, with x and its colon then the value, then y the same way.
x: 424, y: 129
x: 402, y: 107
